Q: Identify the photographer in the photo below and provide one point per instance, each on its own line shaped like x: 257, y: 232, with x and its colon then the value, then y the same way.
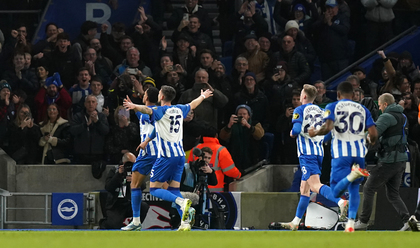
x: 118, y: 202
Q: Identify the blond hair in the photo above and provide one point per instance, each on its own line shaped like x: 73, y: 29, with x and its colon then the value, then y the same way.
x: 310, y: 91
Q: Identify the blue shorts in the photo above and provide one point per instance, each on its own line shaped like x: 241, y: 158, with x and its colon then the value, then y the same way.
x: 144, y: 164
x: 310, y: 165
x: 167, y: 169
x: 341, y: 167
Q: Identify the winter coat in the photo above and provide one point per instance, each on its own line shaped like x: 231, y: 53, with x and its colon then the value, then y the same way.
x: 59, y: 143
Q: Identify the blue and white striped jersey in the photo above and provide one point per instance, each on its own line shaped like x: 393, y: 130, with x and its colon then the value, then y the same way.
x: 308, y: 115
x: 351, y: 120
x: 146, y: 129
x: 169, y: 129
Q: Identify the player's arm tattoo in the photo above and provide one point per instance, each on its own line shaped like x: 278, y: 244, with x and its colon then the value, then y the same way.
x: 325, y: 128
x: 144, y: 109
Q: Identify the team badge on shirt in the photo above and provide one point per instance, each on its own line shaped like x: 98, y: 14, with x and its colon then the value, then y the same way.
x: 326, y: 113
x: 295, y: 116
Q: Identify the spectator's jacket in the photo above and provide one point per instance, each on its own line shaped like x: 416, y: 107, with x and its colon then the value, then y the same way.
x: 221, y: 160
x: 59, y: 143
x: 42, y: 101
x: 258, y: 103
x: 379, y: 11
x: 198, y: 39
x: 23, y: 144
x: 142, y: 67
x: 7, y: 114
x: 199, y: 11
x: 88, y: 139
x: 28, y: 83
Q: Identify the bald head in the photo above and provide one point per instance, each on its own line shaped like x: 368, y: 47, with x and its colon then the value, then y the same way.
x: 129, y: 157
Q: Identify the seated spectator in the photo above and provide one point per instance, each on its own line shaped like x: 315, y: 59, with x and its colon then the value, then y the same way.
x: 89, y: 129
x: 56, y: 138
x: 302, y: 44
x: 367, y: 85
x: 133, y: 62
x: 96, y: 88
x: 277, y: 89
x: 42, y: 73
x: 81, y: 89
x: 208, y: 109
x: 321, y: 98
x: 242, y: 135
x: 191, y: 7
x: 299, y: 70
x: 7, y: 112
x: 118, y: 201
x: 48, y: 44
x: 24, y: 137
x: 265, y: 44
x: 407, y: 66
x: 257, y: 61
x: 21, y: 78
x: 123, y: 138
x: 52, y: 92
x: 252, y: 96
x: 191, y: 28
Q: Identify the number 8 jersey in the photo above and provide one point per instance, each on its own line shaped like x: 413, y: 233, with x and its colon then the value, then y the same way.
x: 169, y: 129
x: 308, y: 115
x: 351, y: 120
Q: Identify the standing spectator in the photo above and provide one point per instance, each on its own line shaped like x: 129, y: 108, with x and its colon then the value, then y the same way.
x: 81, y: 89
x: 321, y: 97
x: 123, y: 138
x: 257, y: 61
x: 392, y: 161
x: 133, y: 62
x: 56, y: 139
x: 208, y: 109
x: 242, y: 134
x: 411, y: 111
x: 173, y: 79
x: 265, y: 44
x: 265, y: 9
x: 416, y: 89
x: 89, y: 129
x: 52, y: 92
x: 332, y: 46
x: 184, y: 54
x: 23, y: 147
x: 7, y: 111
x: 299, y: 69
x: 48, y: 44
x: 88, y: 31
x: 368, y: 86
x: 238, y: 73
x: 42, y: 73
x: 379, y: 16
x: 97, y: 66
x: 407, y: 66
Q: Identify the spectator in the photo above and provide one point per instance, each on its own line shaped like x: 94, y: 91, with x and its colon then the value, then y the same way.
x: 81, y: 89
x: 367, y: 85
x: 97, y: 66
x: 299, y: 70
x: 173, y: 79
x: 332, y: 46
x: 123, y: 138
x: 52, y: 92
x: 302, y: 44
x: 23, y: 147
x: 88, y: 31
x: 184, y: 54
x: 220, y: 160
x: 265, y: 9
x: 133, y: 62
x: 42, y: 73
x: 411, y: 111
x: 89, y: 129
x: 118, y: 201
x: 416, y: 89
x: 193, y: 129
x: 208, y: 109
x: 191, y: 28
x: 7, y: 111
x: 96, y: 88
x: 242, y: 134
x: 223, y: 84
x: 303, y: 17
x: 117, y: 33
x: 96, y: 44
x: 252, y: 96
x: 407, y: 66
x: 321, y: 97
x: 265, y: 44
x: 48, y: 44
x: 379, y: 16
x: 56, y: 139
x: 257, y: 61
x: 238, y: 73
x: 208, y: 62
x: 191, y: 7
x: 63, y: 60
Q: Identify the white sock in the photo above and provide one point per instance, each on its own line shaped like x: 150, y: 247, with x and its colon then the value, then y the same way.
x: 179, y: 201
x: 136, y: 221
x: 296, y: 221
x: 352, y: 176
x: 340, y: 202
x: 350, y: 223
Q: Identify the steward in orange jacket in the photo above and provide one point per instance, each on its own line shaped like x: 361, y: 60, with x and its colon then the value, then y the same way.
x: 221, y: 160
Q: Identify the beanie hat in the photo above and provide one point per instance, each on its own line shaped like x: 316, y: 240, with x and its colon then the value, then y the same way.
x: 251, y: 36
x: 357, y: 68
x: 300, y: 7
x: 5, y: 84
x: 245, y: 107
x: 291, y: 24
x: 149, y: 80
x: 331, y: 3
x: 282, y: 65
x: 55, y: 79
x: 251, y: 74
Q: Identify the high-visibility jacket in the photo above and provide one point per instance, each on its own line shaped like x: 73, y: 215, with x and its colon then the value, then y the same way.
x: 222, y: 162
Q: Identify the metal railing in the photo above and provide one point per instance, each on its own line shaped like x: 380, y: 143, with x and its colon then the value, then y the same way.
x: 8, y: 212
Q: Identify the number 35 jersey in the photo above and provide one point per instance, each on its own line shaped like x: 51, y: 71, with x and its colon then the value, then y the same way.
x: 351, y: 120
x: 308, y: 115
x: 169, y: 129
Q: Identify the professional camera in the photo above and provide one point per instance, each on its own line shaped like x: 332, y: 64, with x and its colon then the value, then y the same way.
x: 128, y: 166
x: 199, y: 162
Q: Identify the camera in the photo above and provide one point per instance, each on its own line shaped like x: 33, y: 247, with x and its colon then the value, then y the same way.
x: 239, y: 119
x: 128, y: 166
x: 199, y: 162
x: 277, y: 69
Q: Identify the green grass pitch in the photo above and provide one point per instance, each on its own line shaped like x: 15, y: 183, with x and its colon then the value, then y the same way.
x: 214, y: 239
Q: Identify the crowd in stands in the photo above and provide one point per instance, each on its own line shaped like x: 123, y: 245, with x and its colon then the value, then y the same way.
x: 61, y: 99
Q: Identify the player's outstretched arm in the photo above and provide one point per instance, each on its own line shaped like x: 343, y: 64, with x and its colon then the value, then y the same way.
x: 200, y: 99
x: 128, y: 104
x: 325, y: 128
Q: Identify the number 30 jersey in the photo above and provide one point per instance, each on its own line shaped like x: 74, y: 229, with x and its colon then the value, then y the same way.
x: 351, y: 120
x: 308, y: 115
x: 169, y: 129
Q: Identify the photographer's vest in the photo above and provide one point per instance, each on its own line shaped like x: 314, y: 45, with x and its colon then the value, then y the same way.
x: 398, y: 129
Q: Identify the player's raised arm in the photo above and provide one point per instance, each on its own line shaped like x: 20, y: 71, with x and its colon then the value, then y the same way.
x: 128, y: 104
x: 204, y: 94
x: 325, y: 128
